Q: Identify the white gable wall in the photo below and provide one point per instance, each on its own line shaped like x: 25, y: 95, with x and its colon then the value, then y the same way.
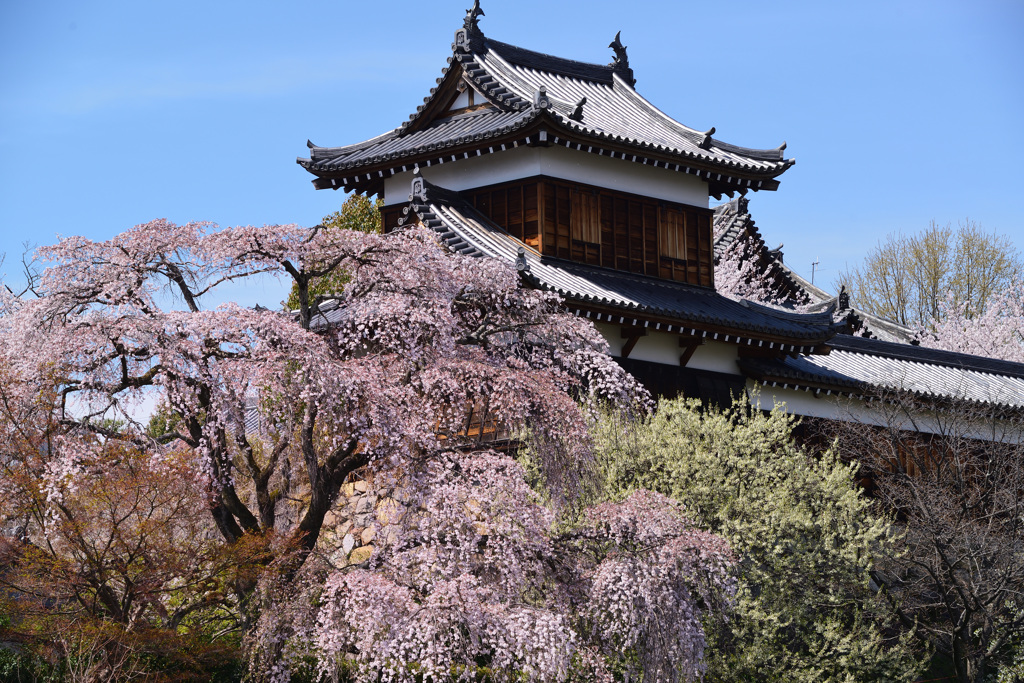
x: 557, y: 162
x: 461, y: 102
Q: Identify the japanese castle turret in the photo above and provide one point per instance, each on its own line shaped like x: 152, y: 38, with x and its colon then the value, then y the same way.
x: 564, y: 170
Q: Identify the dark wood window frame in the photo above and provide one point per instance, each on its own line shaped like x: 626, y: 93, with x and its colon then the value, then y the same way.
x: 603, y: 227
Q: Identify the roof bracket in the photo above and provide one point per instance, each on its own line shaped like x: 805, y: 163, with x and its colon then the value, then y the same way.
x: 706, y: 141
x: 632, y: 336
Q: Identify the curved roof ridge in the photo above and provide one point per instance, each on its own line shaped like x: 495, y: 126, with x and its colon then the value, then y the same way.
x: 697, y: 135
x: 774, y: 154
x: 445, y: 73
x: 541, y: 61
x: 344, y: 149
x: 787, y: 313
x: 506, y: 83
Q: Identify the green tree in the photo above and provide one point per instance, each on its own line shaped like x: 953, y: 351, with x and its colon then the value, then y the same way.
x: 803, y: 532
x: 909, y: 278
x: 358, y: 213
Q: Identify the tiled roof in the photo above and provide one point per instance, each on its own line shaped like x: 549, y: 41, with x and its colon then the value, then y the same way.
x: 631, y: 296
x: 472, y: 127
x: 527, y: 87
x: 732, y: 222
x: 613, y: 110
x: 861, y: 366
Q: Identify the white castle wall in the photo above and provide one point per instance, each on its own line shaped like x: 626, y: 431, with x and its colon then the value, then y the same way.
x: 557, y: 162
x: 662, y: 347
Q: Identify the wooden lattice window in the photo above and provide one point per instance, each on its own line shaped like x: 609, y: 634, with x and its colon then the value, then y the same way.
x: 513, y: 207
x: 604, y: 227
x: 672, y: 244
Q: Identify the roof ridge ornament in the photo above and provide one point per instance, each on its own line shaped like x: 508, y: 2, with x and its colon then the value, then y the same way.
x: 706, y: 140
x: 470, y: 38
x: 577, y: 112
x: 844, y: 299
x: 425, y: 192
x: 620, y: 62
x: 418, y: 190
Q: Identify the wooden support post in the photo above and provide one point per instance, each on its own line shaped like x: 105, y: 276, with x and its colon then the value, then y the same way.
x: 689, y: 345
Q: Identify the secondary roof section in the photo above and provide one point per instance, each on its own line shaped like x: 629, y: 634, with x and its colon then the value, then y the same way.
x: 861, y: 366
x: 615, y: 296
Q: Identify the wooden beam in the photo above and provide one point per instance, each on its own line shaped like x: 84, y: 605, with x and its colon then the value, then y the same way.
x: 632, y: 336
x: 689, y: 345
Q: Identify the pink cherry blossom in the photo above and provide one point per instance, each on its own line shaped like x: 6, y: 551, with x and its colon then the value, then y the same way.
x: 280, y: 408
x: 996, y: 332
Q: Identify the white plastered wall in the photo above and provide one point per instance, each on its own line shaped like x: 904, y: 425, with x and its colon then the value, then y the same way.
x: 846, y: 409
x: 799, y: 402
x: 557, y: 162
x: 663, y: 347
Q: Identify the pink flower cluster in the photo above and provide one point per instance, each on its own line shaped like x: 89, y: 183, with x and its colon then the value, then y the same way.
x: 996, y: 332
x: 482, y: 579
x: 384, y: 379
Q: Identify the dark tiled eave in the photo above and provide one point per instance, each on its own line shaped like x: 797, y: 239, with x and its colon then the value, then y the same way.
x: 716, y: 312
x: 777, y: 373
x: 366, y: 173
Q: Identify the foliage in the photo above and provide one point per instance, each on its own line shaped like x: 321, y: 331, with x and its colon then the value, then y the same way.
x: 803, y: 533
x: 272, y: 412
x: 481, y: 585
x: 738, y: 274
x: 163, y: 422
x: 996, y: 332
x: 358, y: 213
x: 953, y: 472
x: 908, y: 278
x: 107, y: 549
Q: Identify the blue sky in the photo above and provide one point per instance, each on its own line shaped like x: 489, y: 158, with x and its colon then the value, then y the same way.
x: 115, y: 113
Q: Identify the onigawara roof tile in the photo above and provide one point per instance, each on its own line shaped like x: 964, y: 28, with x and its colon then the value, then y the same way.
x: 551, y: 101
x: 861, y: 366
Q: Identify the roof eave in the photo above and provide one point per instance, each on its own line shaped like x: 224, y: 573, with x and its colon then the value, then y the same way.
x: 698, y: 329
x: 547, y: 128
